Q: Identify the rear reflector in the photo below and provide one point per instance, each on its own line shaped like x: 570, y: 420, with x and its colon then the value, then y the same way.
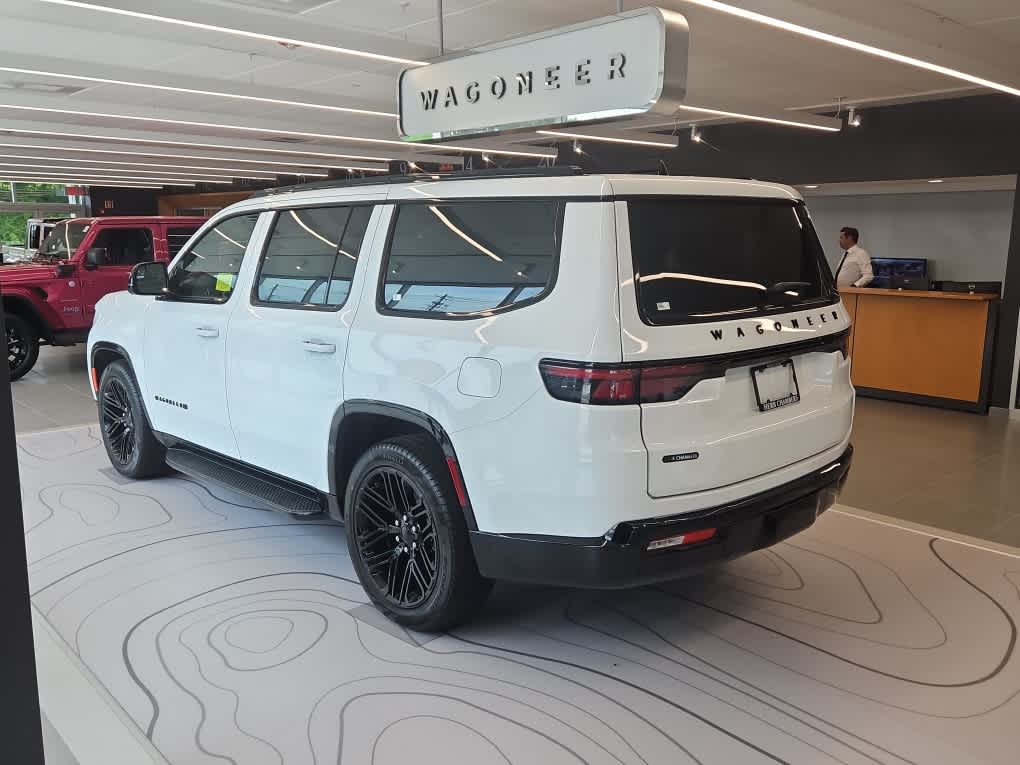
x: 95, y: 381
x: 458, y: 481
x: 682, y: 540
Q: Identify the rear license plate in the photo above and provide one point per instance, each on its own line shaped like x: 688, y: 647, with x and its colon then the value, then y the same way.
x: 775, y: 385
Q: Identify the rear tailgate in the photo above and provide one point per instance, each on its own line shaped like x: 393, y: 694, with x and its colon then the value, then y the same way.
x: 730, y: 300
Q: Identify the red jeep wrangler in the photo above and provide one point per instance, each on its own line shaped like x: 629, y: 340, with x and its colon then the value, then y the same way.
x: 52, y: 298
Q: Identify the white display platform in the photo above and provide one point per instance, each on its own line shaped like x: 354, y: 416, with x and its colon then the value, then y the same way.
x: 222, y: 633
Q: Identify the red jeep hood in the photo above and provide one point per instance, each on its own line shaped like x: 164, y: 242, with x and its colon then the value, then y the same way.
x: 26, y: 273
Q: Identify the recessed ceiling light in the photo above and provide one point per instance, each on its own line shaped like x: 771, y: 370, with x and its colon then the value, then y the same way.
x: 190, y: 91
x: 936, y: 180
x: 811, y: 186
x: 842, y: 42
x: 277, y: 131
x: 288, y: 41
x: 589, y: 137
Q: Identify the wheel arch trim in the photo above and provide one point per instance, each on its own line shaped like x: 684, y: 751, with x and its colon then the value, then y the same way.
x: 405, y: 414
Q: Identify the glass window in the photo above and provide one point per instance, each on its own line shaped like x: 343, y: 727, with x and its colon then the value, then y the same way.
x: 63, y: 240
x: 703, y: 259
x: 465, y: 258
x: 177, y: 237
x: 124, y: 246
x: 209, y: 269
x: 311, y: 256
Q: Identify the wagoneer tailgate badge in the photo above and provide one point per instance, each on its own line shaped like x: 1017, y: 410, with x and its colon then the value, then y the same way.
x: 616, y: 66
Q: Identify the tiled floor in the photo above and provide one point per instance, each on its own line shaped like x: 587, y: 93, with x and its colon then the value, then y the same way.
x: 55, y: 394
x: 950, y: 470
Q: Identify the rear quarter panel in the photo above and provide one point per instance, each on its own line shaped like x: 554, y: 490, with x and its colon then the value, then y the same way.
x: 416, y: 362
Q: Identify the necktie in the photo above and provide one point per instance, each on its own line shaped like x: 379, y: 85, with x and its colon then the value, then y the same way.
x: 836, y: 277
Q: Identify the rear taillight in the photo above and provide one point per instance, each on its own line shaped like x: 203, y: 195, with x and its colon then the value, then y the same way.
x: 622, y: 384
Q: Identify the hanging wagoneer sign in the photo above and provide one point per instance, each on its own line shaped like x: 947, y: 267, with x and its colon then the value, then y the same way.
x: 617, y: 66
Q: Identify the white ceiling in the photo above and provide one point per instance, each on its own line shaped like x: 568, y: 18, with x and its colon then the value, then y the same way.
x: 735, y: 64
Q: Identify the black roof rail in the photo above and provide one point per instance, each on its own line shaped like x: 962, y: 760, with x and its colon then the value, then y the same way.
x: 460, y: 175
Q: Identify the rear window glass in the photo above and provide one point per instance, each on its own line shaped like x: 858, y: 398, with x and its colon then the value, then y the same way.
x: 704, y: 259
x: 465, y: 258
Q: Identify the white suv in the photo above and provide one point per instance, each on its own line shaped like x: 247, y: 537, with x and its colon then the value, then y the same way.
x: 592, y: 381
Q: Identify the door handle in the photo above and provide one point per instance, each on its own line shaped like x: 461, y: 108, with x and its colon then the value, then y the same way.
x: 207, y: 332
x: 314, y: 346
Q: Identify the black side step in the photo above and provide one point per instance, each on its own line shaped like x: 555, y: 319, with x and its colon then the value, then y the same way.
x: 278, y: 493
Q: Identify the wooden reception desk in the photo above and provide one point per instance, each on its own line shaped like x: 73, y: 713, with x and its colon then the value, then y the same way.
x: 923, y: 347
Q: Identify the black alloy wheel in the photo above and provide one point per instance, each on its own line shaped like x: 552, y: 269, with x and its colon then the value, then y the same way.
x: 22, y: 342
x: 118, y: 422
x: 396, y: 537
x: 17, y: 348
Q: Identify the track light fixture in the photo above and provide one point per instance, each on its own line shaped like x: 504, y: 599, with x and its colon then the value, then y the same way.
x: 577, y: 147
x: 696, y: 136
x: 853, y: 118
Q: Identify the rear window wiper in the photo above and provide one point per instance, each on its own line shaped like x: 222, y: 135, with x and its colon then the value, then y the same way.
x: 785, y: 291
x: 782, y: 288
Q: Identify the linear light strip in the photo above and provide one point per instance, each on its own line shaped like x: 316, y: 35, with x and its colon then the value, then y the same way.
x: 199, y: 145
x: 83, y: 181
x: 237, y: 32
x: 272, y: 131
x: 758, y: 118
x: 258, y: 173
x: 607, y: 139
x: 78, y: 172
x: 198, y: 92
x: 160, y: 173
x: 143, y: 153
x: 842, y: 42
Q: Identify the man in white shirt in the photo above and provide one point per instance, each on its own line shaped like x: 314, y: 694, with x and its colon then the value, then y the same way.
x: 855, y: 267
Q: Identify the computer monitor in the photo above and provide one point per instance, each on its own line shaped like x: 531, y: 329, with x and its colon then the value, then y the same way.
x: 890, y: 272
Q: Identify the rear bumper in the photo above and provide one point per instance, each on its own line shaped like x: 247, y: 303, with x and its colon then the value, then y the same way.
x: 623, y: 560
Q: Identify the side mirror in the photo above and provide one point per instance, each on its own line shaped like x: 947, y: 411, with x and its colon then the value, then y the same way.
x: 148, y: 279
x: 95, y: 257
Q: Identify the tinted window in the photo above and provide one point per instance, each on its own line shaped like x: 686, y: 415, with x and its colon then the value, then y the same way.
x: 209, y: 269
x: 311, y: 256
x: 703, y: 259
x: 470, y: 257
x: 124, y: 246
x: 177, y: 237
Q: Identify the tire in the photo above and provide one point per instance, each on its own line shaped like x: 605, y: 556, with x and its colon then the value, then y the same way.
x: 22, y: 346
x: 420, y: 572
x: 132, y: 448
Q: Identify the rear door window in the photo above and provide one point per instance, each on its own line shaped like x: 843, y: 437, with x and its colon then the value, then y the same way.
x: 710, y: 259
x: 462, y: 259
x: 311, y: 257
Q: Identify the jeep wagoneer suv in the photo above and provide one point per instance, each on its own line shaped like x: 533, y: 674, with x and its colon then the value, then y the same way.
x: 593, y: 381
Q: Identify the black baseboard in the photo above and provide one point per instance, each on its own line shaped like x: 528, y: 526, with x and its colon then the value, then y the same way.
x: 912, y: 398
